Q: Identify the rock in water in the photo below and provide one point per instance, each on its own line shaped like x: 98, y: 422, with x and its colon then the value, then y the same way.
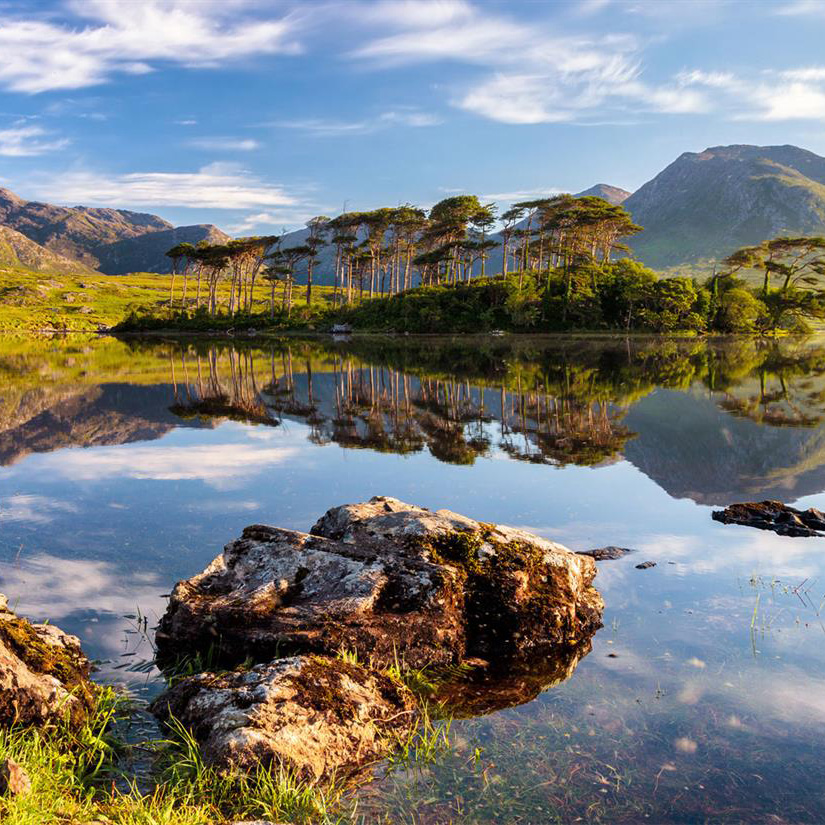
x: 14, y: 781
x: 608, y: 553
x: 775, y: 516
x: 390, y: 580
x: 44, y: 675
x: 315, y: 715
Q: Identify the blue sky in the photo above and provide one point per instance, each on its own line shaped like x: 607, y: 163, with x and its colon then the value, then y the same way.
x: 256, y: 115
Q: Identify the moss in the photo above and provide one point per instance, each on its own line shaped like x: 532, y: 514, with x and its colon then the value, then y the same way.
x: 503, y: 610
x: 319, y: 685
x: 64, y: 664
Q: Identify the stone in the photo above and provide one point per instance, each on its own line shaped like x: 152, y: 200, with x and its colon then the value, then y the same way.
x: 44, y: 675
x: 608, y: 553
x: 316, y: 716
x: 14, y: 781
x: 646, y: 565
x: 389, y: 580
x: 775, y: 516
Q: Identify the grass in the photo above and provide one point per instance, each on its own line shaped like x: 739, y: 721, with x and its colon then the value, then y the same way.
x: 82, y: 777
x: 34, y: 301
x: 88, y: 775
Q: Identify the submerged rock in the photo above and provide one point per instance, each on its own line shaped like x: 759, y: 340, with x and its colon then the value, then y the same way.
x: 44, y: 675
x: 390, y: 580
x: 608, y: 553
x: 316, y: 716
x: 646, y: 565
x: 775, y: 516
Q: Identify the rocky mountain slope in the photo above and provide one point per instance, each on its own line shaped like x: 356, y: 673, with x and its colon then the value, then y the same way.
x: 612, y: 194
x: 147, y: 253
x: 705, y: 205
x: 16, y: 250
x: 84, y: 239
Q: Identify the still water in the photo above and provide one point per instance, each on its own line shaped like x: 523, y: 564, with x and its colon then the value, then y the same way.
x: 125, y: 466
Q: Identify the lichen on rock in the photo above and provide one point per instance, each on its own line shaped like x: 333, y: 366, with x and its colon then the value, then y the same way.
x: 315, y: 716
x: 389, y: 580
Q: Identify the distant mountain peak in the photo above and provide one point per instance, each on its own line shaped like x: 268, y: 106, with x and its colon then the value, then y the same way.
x: 612, y: 194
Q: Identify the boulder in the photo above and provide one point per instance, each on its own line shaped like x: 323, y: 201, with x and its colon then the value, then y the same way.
x: 316, y: 716
x: 390, y: 580
x: 44, y: 675
x: 775, y: 516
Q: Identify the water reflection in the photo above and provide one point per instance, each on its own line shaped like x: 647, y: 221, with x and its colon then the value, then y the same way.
x: 713, y: 422
x: 127, y: 465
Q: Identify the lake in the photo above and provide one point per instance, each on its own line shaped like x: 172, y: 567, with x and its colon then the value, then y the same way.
x: 127, y: 465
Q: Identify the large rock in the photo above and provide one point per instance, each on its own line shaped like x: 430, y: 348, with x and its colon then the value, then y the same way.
x: 44, y: 675
x: 775, y: 516
x: 390, y: 580
x: 316, y: 716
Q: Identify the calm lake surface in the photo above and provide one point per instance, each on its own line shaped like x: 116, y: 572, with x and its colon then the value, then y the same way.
x: 125, y: 466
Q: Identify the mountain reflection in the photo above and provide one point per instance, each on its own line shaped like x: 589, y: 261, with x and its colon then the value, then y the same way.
x: 713, y: 421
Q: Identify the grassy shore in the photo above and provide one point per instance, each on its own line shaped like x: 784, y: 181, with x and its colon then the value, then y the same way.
x: 32, y: 301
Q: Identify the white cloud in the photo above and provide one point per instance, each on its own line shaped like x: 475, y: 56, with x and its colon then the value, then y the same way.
x: 251, y: 224
x: 216, y: 186
x: 21, y: 140
x: 802, y: 7
x: 520, y: 194
x: 225, y: 144
x: 536, y: 73
x: 98, y: 38
x: 792, y: 94
x: 402, y: 116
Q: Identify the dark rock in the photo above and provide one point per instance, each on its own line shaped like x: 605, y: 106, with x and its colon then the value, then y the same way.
x: 44, y: 675
x: 389, y: 580
x: 645, y: 565
x: 606, y: 553
x: 775, y: 516
x: 14, y: 781
x: 316, y: 716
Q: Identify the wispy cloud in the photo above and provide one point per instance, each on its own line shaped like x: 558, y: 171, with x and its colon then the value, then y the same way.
x: 793, y: 94
x: 402, y: 116
x: 224, y: 144
x: 216, y: 186
x: 26, y: 140
x: 93, y: 39
x: 535, y: 73
x: 801, y: 7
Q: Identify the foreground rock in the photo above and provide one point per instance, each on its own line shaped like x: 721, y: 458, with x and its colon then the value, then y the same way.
x: 316, y: 716
x: 390, y: 580
x: 44, y: 675
x: 774, y: 515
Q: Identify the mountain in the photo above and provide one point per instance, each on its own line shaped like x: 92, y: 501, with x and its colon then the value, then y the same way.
x: 74, y: 232
x: 17, y: 250
x: 147, y: 253
x: 612, y: 194
x: 708, y: 204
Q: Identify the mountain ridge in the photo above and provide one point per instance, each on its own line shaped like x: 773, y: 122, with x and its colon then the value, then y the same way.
x: 707, y: 204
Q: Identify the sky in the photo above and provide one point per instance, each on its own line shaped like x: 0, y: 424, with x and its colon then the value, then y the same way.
x: 257, y: 115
